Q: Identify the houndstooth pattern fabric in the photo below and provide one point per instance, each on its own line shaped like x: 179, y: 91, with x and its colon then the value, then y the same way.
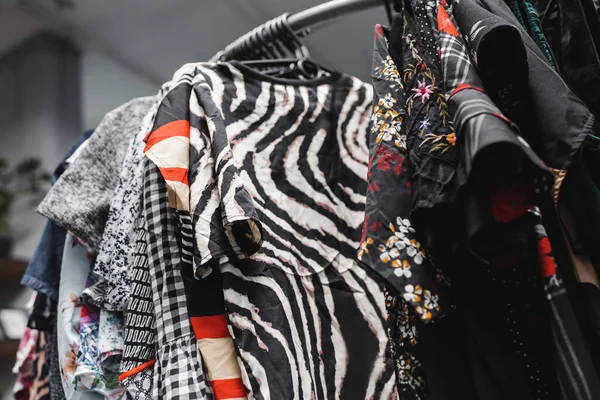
x: 178, y: 372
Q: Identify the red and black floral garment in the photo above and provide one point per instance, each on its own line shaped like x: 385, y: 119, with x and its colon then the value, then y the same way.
x: 390, y: 245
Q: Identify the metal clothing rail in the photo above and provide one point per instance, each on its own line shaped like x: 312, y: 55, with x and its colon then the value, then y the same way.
x: 276, y: 32
x: 328, y: 11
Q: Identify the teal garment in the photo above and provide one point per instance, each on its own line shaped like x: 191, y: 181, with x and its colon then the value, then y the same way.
x: 527, y: 16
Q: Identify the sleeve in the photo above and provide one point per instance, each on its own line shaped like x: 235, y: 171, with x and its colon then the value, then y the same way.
x: 189, y: 144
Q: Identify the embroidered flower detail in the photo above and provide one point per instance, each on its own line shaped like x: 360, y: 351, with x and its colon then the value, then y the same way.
x: 451, y: 138
x: 384, y: 135
x: 423, y: 90
x: 389, y: 72
x: 401, y: 142
x: 388, y: 101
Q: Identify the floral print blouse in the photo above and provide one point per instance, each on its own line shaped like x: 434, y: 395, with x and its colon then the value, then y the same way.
x: 389, y: 244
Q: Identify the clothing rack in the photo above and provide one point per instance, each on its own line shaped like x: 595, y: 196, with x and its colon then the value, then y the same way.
x: 328, y: 11
x: 299, y: 23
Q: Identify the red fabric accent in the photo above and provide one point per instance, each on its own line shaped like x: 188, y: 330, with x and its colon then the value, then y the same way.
x: 175, y: 128
x: 175, y: 174
x: 502, y: 117
x: 547, y: 262
x: 509, y: 203
x: 463, y: 86
x: 136, y: 370
x: 445, y: 23
x: 228, y: 388
x: 211, y: 327
x: 378, y: 31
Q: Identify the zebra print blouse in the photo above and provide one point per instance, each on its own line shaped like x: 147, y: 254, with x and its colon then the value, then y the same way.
x: 276, y: 176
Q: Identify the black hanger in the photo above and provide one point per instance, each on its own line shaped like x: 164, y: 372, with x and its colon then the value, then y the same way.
x: 276, y: 49
x: 388, y: 10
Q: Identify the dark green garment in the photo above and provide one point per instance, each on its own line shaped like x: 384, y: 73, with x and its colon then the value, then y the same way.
x: 528, y: 17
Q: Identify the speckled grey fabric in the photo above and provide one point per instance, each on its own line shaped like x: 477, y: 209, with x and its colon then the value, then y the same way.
x: 80, y: 200
x: 116, y: 248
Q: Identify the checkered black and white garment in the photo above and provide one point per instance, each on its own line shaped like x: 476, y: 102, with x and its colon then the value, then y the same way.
x: 178, y: 372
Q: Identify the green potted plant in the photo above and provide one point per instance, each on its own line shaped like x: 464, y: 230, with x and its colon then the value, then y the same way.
x: 24, y: 179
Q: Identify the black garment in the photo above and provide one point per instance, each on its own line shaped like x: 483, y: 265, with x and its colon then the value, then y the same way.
x: 573, y: 31
x: 555, y: 123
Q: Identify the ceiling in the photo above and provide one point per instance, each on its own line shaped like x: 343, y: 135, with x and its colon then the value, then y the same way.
x: 154, y: 37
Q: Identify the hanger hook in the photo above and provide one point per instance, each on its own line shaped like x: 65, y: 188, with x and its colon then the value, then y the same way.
x: 388, y: 10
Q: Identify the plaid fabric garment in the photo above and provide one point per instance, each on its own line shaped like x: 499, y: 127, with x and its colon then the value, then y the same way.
x: 178, y: 372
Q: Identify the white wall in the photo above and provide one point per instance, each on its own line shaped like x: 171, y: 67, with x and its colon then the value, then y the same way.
x: 106, y: 84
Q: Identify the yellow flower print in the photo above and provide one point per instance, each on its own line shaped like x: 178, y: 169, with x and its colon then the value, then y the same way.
x: 391, y: 114
x: 364, y: 247
x: 423, y: 313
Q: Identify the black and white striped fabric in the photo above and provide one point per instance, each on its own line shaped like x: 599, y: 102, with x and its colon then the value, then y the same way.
x: 307, y: 321
x: 140, y: 323
x: 178, y: 372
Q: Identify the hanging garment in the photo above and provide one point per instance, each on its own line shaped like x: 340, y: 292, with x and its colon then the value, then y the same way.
x: 114, y: 253
x: 178, y: 372
x: 56, y: 387
x: 76, y: 264
x: 139, y: 336
x: 526, y: 14
x: 390, y: 247
x: 40, y: 388
x: 306, y: 320
x: 24, y: 364
x: 489, y: 35
x: 80, y: 200
x: 43, y: 271
x: 95, y: 366
x: 168, y: 146
x: 573, y: 31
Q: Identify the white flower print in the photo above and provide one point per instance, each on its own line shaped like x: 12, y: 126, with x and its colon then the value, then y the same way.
x: 413, y: 293
x: 401, y: 142
x: 431, y: 300
x: 388, y: 254
x: 388, y: 101
x: 423, y: 313
x: 403, y: 270
x: 384, y: 135
x: 404, y: 225
x: 413, y: 251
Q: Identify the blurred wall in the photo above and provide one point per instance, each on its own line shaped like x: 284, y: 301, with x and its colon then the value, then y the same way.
x: 40, y: 116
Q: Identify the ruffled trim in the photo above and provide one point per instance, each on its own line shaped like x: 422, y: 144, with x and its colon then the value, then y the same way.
x: 181, y: 355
